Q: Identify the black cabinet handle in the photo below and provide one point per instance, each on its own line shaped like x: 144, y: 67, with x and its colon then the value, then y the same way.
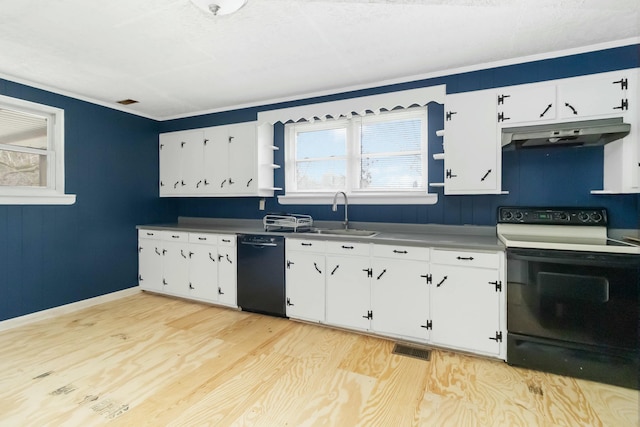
x: 399, y: 252
x: 182, y: 253
x: 139, y: 249
x: 306, y: 244
x: 485, y: 175
x: 164, y: 251
x: 198, y: 184
x: 157, y: 251
x: 211, y: 257
x: 502, y: 118
x: 347, y: 247
x: 228, y: 259
x: 191, y: 286
x: 222, y: 183
x: 624, y: 83
x: 202, y: 238
x: 231, y: 181
x: 139, y: 277
x: 190, y: 255
x: 289, y: 303
x: 334, y: 270
x: 624, y: 105
x: 449, y: 114
x: 226, y: 240
x: 175, y: 237
x: 442, y: 281
x: 176, y: 184
x: 220, y: 257
x: 206, y: 182
x: 461, y: 258
x: 182, y: 183
x: 369, y: 271
x: 289, y: 264
x: 546, y: 110
x: 220, y: 291
x: 383, y: 271
x: 316, y: 267
x: 249, y: 182
x: 164, y: 282
x: 575, y: 113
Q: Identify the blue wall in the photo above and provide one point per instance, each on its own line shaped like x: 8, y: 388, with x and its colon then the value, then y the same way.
x: 55, y: 255
x: 561, y: 176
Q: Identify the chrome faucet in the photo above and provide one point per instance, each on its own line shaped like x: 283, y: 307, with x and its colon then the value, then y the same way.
x: 346, y: 204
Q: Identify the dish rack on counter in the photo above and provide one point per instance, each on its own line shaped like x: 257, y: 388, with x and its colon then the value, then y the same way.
x: 287, y: 222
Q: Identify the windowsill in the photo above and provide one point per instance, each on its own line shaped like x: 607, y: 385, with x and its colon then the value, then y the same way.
x: 359, y: 199
x: 41, y: 199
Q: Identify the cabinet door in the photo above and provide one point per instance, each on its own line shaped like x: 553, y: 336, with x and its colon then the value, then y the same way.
x: 170, y: 164
x: 348, y: 291
x: 150, y: 264
x: 465, y: 308
x: 175, y: 271
x: 305, y: 285
x: 227, y: 276
x: 192, y: 162
x: 472, y: 151
x: 399, y: 297
x: 527, y: 103
x: 216, y: 160
x: 593, y: 96
x: 203, y: 272
x: 242, y: 158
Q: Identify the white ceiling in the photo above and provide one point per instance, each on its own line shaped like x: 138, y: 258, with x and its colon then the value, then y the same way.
x: 177, y: 61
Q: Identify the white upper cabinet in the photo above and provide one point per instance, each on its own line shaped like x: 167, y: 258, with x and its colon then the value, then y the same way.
x: 472, y: 150
x: 526, y: 103
x: 229, y: 160
x: 588, y: 96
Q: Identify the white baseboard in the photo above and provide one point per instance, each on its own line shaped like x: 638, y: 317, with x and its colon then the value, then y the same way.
x: 65, y: 309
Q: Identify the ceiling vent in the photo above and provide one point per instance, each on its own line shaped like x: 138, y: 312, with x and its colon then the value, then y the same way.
x: 127, y: 101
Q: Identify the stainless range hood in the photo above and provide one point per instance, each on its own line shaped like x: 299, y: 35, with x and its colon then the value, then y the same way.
x: 585, y: 133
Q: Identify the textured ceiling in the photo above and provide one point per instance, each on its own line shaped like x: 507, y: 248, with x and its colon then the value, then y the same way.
x: 177, y: 61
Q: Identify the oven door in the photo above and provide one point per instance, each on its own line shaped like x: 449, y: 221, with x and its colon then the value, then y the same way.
x: 579, y: 297
x: 574, y: 313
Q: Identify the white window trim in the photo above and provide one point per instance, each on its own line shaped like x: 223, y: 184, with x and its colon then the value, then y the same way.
x: 356, y: 196
x: 54, y: 194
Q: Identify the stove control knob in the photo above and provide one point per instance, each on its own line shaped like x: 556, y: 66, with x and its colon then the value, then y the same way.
x: 519, y: 216
x: 583, y: 216
x: 595, y: 217
x: 563, y: 216
x: 507, y: 215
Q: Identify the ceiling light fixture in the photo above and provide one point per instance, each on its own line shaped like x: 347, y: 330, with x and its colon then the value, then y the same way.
x: 219, y: 7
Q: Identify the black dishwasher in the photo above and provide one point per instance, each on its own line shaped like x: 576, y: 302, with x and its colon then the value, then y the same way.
x: 261, y: 274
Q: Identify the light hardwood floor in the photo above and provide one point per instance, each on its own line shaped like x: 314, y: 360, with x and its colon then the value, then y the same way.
x: 149, y: 360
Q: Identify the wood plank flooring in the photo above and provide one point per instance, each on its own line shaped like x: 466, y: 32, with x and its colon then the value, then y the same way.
x: 149, y: 360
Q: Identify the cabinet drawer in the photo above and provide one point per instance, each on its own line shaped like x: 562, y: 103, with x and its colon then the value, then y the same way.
x: 227, y: 240
x: 401, y: 252
x: 175, y: 236
x: 306, y: 245
x: 149, y: 234
x: 466, y: 258
x: 205, y: 238
x: 348, y: 248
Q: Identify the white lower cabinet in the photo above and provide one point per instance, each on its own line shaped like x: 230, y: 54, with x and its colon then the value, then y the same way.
x: 348, y: 285
x: 467, y: 301
x: 199, y: 266
x: 400, y: 291
x: 305, y: 280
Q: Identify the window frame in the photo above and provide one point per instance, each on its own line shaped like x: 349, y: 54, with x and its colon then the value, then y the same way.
x: 356, y: 195
x: 54, y: 192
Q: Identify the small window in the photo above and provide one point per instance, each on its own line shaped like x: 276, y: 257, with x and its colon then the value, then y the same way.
x: 31, y: 153
x: 382, y: 155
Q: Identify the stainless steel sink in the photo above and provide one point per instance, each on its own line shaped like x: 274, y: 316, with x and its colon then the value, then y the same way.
x: 347, y: 232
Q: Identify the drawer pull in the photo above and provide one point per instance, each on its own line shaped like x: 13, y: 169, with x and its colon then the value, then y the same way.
x: 306, y: 244
x: 202, y: 238
x: 399, y: 252
x: 175, y: 237
x: 150, y: 234
x: 226, y: 240
x: 347, y: 247
x: 462, y: 258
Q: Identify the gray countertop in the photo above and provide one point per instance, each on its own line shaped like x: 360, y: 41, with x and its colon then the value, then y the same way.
x: 432, y: 235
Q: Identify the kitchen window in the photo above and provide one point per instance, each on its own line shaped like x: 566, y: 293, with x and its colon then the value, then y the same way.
x: 374, y: 158
x: 31, y: 153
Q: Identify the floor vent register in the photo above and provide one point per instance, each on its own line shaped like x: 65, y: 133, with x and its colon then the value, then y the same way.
x: 418, y: 353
